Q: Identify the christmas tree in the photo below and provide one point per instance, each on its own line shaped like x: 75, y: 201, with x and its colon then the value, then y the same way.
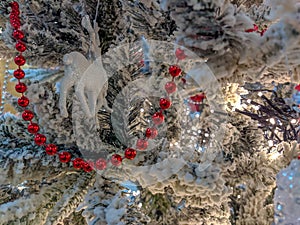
x: 149, y: 112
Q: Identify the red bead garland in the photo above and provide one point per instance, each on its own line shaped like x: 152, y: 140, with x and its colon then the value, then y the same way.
x: 52, y: 149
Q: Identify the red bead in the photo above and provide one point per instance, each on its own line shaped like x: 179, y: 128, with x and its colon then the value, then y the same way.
x: 17, y: 34
x: 64, y: 157
x: 298, y: 157
x: 170, y: 87
x: 197, y: 98
x: 27, y: 115
x: 15, y: 24
x: 183, y: 80
x: 130, y: 153
x: 158, y: 118
x: 151, y: 132
x: 101, y: 164
x: 174, y: 70
x: 21, y: 87
x: 33, y: 128
x: 23, y: 101
x: 51, y: 149
x: 77, y: 163
x: 40, y: 139
x: 142, y: 144
x: 91, y: 163
x: 86, y: 167
x: 116, y: 159
x: 297, y: 87
x: 14, y: 5
x: 164, y: 103
x: 179, y: 53
x: 20, y: 60
x: 20, y: 46
x: 14, y: 16
x: 19, y: 74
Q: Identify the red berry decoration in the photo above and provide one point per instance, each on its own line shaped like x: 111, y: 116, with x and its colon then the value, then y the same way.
x: 151, y: 132
x: 21, y: 87
x: 101, y: 164
x: 174, y: 70
x: 51, y: 149
x: 130, y: 153
x: 164, y: 103
x: 40, y: 139
x: 116, y: 160
x: 170, y: 87
x: 27, y: 115
x: 23, y: 101
x: 33, y: 128
x: 20, y: 46
x: 142, y: 144
x: 77, y: 163
x: 86, y: 166
x: 19, y: 74
x: 17, y: 34
x: 158, y: 118
x: 298, y: 157
x: 64, y: 157
x: 179, y: 53
x: 20, y: 60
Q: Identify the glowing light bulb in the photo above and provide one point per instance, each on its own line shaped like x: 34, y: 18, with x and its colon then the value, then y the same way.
x: 260, y: 94
x: 272, y: 121
x: 293, y: 121
x: 270, y: 143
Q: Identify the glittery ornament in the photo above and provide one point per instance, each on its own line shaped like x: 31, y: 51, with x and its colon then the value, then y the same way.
x: 116, y: 160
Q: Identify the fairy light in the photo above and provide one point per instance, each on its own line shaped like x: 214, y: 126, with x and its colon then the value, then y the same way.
x: 272, y: 121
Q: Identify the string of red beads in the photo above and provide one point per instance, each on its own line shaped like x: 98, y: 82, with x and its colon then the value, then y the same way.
x: 157, y: 118
x: 52, y: 149
x: 23, y: 101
